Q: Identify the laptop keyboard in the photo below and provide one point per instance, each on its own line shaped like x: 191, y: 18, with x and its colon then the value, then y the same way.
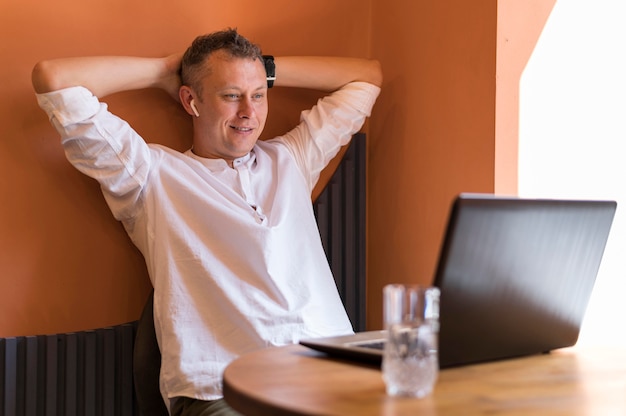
x: 375, y: 345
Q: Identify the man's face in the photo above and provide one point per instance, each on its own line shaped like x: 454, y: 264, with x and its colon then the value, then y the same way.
x: 232, y: 108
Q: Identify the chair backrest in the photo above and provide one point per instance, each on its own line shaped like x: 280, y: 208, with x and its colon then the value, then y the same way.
x: 147, y: 364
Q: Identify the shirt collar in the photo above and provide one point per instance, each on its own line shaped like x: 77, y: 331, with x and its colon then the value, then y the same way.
x: 220, y: 164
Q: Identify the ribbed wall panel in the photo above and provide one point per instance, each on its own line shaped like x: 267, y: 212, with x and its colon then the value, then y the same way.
x: 89, y: 373
x: 86, y: 373
x: 340, y: 212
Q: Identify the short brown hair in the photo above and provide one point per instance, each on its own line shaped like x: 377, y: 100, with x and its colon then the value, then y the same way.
x: 229, y: 40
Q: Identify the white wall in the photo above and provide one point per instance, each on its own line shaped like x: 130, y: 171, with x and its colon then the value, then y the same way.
x: 573, y: 135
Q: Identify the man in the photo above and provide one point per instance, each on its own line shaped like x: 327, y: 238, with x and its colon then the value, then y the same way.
x: 226, y: 228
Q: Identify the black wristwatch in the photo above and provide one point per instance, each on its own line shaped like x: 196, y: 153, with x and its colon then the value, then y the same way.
x: 270, y: 70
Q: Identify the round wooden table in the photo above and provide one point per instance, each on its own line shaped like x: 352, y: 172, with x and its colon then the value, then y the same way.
x: 294, y: 380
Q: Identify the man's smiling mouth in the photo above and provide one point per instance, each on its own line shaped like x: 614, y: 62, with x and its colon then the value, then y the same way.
x: 243, y: 129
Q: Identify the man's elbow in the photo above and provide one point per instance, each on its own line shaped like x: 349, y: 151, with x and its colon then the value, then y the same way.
x: 375, y: 73
x: 43, y: 77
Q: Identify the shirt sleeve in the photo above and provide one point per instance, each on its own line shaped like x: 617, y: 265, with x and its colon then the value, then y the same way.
x: 100, y: 145
x: 328, y: 126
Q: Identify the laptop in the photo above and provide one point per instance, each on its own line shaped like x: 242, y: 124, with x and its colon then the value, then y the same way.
x: 515, y: 276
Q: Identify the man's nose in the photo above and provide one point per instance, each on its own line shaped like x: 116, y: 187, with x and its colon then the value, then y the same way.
x: 246, y: 108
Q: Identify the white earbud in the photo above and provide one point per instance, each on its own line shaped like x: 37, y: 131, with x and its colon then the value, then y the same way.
x: 193, y: 108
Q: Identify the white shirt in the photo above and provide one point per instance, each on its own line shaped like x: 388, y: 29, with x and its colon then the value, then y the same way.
x: 234, y: 254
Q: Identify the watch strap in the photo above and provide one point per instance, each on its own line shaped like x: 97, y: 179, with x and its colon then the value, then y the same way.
x: 270, y: 70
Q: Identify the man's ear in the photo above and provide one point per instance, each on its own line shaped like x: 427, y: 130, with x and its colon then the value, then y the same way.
x: 186, y: 96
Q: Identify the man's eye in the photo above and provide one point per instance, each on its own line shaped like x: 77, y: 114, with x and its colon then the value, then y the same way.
x: 231, y: 96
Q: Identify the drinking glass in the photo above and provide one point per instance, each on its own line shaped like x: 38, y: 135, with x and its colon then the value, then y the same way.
x: 410, y: 361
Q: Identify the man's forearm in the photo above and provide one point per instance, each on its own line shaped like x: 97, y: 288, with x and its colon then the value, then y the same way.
x: 325, y: 73
x: 106, y: 74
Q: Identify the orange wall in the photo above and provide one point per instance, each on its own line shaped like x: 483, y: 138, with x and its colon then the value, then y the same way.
x: 441, y: 126
x: 445, y: 123
x: 433, y: 134
x: 66, y: 263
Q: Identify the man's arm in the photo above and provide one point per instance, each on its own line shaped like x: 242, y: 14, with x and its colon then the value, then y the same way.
x: 106, y: 75
x: 325, y: 73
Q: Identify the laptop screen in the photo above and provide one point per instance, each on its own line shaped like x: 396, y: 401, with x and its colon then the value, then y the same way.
x: 515, y: 277
x: 516, y: 274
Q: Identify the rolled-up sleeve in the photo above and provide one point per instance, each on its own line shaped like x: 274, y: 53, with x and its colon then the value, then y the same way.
x: 327, y: 126
x: 100, y: 145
